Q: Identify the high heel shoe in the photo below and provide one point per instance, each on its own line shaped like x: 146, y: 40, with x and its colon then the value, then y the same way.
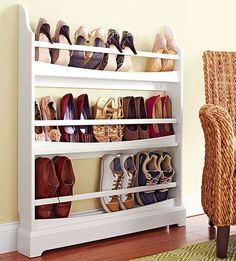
x: 78, y: 57
x: 159, y: 46
x: 49, y: 112
x: 124, y: 63
x: 154, y: 111
x: 69, y: 133
x: 167, y: 113
x: 39, y: 132
x: 43, y: 35
x: 169, y: 65
x: 130, y: 130
x: 141, y: 113
x: 96, y: 39
x: 83, y: 113
x: 62, y: 35
x: 109, y: 60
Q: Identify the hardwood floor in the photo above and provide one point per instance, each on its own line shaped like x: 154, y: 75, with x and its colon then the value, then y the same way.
x: 130, y: 246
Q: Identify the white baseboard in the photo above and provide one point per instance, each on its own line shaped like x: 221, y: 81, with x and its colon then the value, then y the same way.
x: 193, y: 205
x: 8, y: 237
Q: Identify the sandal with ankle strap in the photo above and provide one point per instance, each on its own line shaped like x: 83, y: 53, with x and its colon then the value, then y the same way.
x: 116, y: 132
x: 102, y: 110
x: 49, y: 112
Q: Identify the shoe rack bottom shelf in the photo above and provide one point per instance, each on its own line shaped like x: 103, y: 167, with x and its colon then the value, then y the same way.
x: 55, y: 233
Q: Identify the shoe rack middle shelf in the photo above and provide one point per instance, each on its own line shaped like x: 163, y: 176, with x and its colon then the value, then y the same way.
x: 97, y: 149
x: 103, y: 122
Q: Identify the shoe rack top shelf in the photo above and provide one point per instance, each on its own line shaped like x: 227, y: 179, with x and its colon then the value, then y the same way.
x: 99, y: 194
x: 87, y: 48
x: 101, y: 122
x: 83, y: 149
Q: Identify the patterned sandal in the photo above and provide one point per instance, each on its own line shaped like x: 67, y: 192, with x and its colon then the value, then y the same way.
x: 102, y: 110
x: 116, y: 132
x: 49, y: 112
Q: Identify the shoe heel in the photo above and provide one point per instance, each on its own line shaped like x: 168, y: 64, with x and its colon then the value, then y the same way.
x: 64, y: 32
x: 115, y: 41
x: 130, y: 44
x: 45, y: 31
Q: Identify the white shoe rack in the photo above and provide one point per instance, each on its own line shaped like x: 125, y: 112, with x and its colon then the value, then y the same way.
x: 36, y: 236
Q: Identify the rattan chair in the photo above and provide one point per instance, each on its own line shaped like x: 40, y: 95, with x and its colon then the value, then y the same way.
x: 218, y: 123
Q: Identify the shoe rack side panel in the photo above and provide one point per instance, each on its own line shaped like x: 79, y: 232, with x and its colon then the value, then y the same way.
x: 25, y: 123
x: 175, y: 91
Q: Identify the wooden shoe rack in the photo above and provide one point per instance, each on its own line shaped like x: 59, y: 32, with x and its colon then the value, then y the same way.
x: 36, y: 236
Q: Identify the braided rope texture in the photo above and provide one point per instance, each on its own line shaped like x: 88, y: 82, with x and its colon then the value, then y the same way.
x: 220, y: 81
x: 219, y: 180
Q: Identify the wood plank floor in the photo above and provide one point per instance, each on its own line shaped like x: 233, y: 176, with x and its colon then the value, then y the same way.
x: 130, y: 246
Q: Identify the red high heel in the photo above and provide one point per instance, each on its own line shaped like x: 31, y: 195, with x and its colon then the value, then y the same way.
x: 167, y: 113
x: 154, y: 111
x: 83, y: 113
x: 69, y: 133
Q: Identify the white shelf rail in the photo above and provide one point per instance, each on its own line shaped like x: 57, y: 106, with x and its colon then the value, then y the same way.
x: 99, y: 194
x: 87, y: 48
x: 102, y: 122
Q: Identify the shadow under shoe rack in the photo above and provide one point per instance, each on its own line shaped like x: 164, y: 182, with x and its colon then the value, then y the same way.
x: 36, y: 236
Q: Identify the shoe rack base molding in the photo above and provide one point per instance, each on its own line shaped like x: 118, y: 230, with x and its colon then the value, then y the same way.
x: 83, y: 228
x: 37, y: 235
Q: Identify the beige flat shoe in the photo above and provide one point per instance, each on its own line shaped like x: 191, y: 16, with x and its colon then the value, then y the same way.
x: 48, y: 108
x: 62, y: 35
x: 155, y: 65
x: 169, y: 65
x: 42, y: 34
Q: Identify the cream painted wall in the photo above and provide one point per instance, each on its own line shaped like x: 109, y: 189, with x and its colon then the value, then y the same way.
x: 199, y: 25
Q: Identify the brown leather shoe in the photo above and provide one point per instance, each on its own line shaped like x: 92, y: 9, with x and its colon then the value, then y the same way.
x: 143, y: 131
x: 46, y: 185
x: 66, y: 177
x: 129, y: 110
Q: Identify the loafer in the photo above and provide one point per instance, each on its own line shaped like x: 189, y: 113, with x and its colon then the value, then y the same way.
x: 66, y: 177
x: 46, y: 185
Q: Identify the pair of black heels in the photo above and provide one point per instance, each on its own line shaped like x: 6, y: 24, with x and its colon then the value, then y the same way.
x: 100, y: 61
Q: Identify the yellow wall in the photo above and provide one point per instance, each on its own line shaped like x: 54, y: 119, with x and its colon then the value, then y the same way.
x: 199, y: 25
